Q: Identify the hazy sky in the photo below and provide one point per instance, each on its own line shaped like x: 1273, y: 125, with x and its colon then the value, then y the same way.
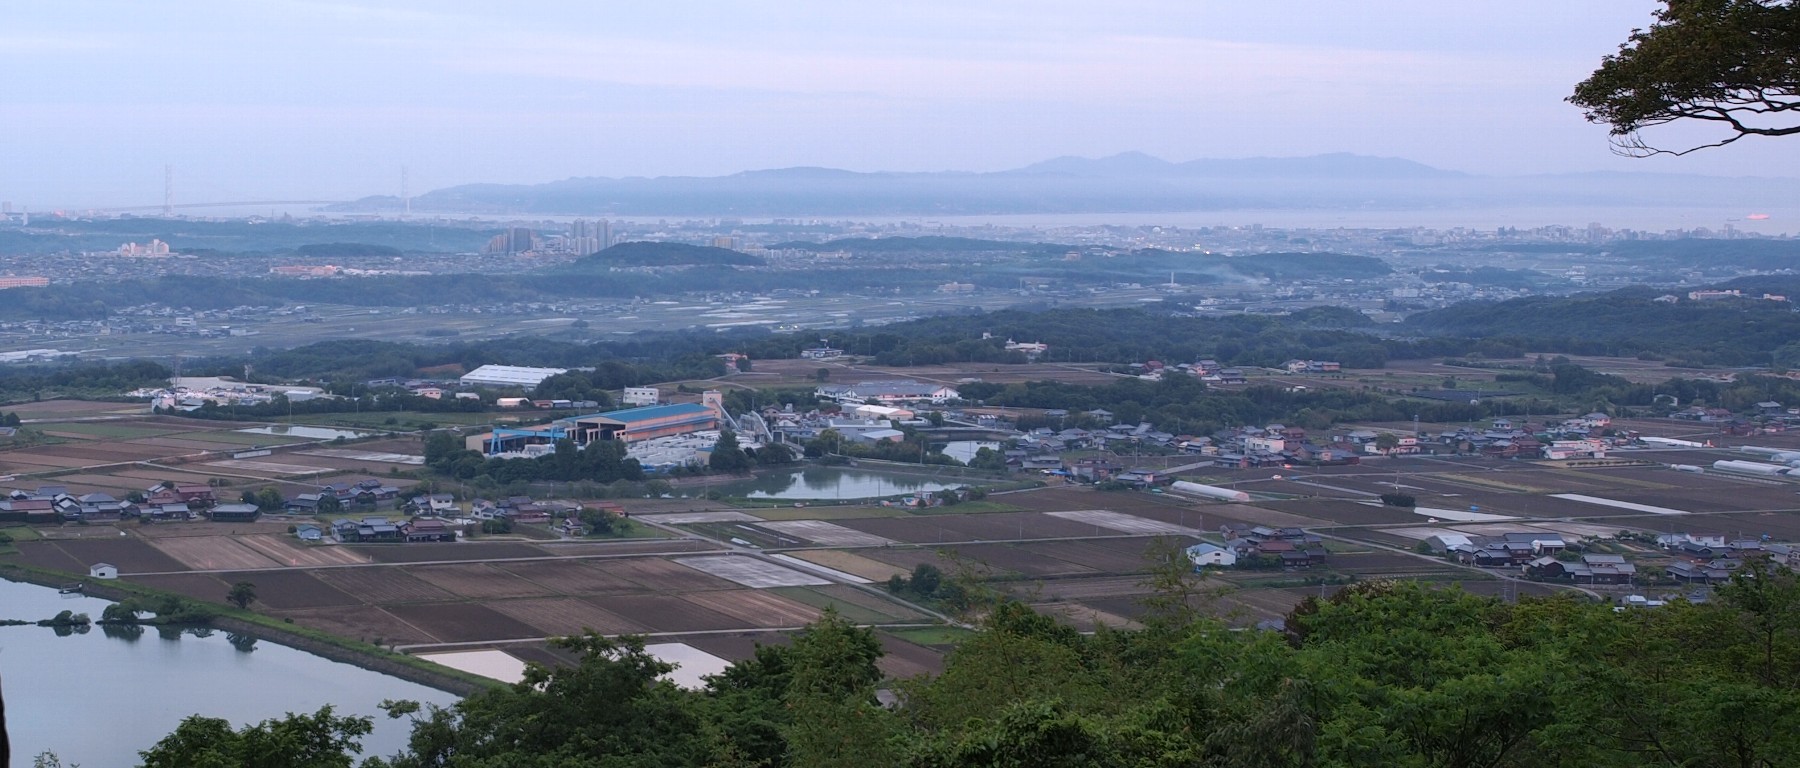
x: 298, y: 99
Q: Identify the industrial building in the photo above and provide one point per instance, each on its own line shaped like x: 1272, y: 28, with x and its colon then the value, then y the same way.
x: 509, y: 376
x: 634, y: 424
x: 887, y: 392
x: 631, y: 425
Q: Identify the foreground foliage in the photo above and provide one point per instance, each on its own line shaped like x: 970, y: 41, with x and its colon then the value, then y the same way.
x: 1381, y: 674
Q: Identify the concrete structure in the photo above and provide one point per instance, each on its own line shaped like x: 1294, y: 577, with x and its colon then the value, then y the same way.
x: 641, y: 396
x: 509, y: 376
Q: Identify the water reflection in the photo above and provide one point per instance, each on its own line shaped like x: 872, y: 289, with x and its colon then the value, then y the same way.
x: 835, y: 483
x: 126, y: 632
x: 243, y: 643
x: 105, y: 720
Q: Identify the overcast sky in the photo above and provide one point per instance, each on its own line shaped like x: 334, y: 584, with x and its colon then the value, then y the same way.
x: 278, y: 99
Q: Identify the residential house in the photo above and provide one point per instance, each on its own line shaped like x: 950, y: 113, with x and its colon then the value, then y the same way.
x: 1712, y: 572
x: 234, y: 513
x: 1600, y: 569
x: 303, y: 504
x: 194, y: 494
x: 429, y: 529
x: 368, y: 529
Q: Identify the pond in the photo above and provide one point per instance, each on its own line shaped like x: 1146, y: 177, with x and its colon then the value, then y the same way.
x: 815, y: 483
x: 312, y: 433
x: 965, y: 450
x: 98, y: 697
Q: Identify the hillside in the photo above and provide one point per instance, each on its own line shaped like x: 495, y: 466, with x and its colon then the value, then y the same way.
x: 1132, y: 182
x: 649, y: 254
x: 1627, y: 322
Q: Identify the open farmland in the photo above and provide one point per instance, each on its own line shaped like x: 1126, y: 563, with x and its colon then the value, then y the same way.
x: 213, y: 553
x: 383, y: 585
x: 756, y: 607
x: 479, y: 581
x: 667, y: 613
x: 468, y: 621
x: 567, y: 616
x: 292, y: 589
x: 577, y: 577
x: 995, y: 526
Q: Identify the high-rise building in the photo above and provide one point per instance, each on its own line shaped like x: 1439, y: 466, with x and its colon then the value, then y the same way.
x: 584, y: 237
x: 513, y: 240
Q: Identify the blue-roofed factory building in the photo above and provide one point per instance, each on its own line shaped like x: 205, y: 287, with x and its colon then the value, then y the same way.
x: 630, y: 425
x: 649, y: 422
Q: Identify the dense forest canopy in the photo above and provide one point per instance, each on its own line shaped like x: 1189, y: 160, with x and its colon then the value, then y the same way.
x: 1628, y: 322
x: 1380, y: 674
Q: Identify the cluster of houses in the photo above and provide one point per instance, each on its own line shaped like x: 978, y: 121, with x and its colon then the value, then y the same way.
x: 1244, y: 447
x: 1583, y: 437
x: 1312, y: 366
x: 381, y: 529
x: 55, y: 504
x: 436, y: 518
x: 1710, y: 558
x: 1209, y: 371
x: 1695, y: 558
x: 1259, y: 546
x: 1767, y: 417
x: 366, y: 494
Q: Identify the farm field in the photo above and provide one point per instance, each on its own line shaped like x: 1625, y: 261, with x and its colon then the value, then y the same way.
x: 1073, y: 552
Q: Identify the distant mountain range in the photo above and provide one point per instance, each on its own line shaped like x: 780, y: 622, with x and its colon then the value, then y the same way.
x: 1132, y: 182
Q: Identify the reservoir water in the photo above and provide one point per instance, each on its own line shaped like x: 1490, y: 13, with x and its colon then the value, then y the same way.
x: 817, y: 483
x: 965, y: 450
x: 97, y: 698
x: 301, y: 430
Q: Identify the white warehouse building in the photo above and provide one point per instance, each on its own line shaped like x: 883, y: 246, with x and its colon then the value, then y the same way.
x: 508, y: 376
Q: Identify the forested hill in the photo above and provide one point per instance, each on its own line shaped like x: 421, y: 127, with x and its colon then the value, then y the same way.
x: 651, y: 254
x: 926, y: 244
x: 1626, y: 323
x: 1279, y: 267
x: 1750, y: 253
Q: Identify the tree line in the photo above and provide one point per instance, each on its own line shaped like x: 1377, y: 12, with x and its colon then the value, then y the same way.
x: 1379, y: 674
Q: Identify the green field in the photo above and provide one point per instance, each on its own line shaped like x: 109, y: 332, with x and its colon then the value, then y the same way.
x: 854, y: 613
x: 105, y: 429
x: 824, y: 513
x: 403, y: 421
x: 245, y: 439
x: 967, y: 508
x: 933, y: 635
